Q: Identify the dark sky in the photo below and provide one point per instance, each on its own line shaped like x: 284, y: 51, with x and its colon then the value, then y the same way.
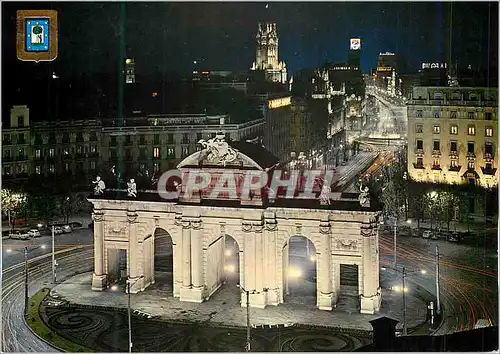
x: 169, y: 36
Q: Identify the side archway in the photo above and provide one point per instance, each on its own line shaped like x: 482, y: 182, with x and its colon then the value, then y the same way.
x: 161, y: 254
x: 300, y: 271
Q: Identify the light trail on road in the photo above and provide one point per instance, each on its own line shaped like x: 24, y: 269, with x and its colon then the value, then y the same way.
x: 16, y: 336
x: 464, y: 295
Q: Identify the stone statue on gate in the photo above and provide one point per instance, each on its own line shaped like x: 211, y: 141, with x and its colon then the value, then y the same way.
x: 99, y: 187
x: 364, y: 197
x: 132, y: 188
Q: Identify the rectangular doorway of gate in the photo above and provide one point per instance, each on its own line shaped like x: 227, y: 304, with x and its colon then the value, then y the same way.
x: 349, y: 288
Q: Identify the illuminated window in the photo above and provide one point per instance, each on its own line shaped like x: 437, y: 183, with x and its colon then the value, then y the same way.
x: 437, y: 129
x: 66, y: 151
x: 471, y: 130
x: 38, y: 170
x: 435, y: 163
x: 185, y: 151
x: 51, y: 168
x: 419, y: 128
x: 470, y: 165
x: 453, y: 114
x: 92, y: 165
x: 171, y: 152
x: 51, y: 152
x: 38, y: 153
x: 489, y: 132
x: 66, y: 167
x: 156, y: 153
x: 454, y: 163
x: 453, y: 129
x: 156, y: 167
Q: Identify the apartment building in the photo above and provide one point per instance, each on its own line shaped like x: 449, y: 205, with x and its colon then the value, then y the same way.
x: 452, y: 135
x: 85, y: 147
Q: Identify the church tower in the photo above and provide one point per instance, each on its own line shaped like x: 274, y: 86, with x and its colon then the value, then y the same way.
x: 266, y: 58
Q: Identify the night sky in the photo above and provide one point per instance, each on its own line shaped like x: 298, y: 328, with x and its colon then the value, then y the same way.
x: 170, y: 36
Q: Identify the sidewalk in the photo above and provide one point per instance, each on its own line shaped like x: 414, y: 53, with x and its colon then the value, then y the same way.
x: 84, y: 219
x: 223, y: 308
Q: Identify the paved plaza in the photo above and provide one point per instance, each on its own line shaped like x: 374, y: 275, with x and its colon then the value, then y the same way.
x: 223, y: 308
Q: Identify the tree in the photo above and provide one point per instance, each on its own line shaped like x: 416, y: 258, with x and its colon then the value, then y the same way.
x: 13, y: 204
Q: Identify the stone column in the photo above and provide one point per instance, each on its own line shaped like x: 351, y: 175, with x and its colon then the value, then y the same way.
x: 134, y: 253
x: 196, y: 259
x: 259, y: 297
x: 325, y: 294
x: 270, y: 237
x: 371, y: 297
x: 99, y: 277
x: 186, y: 254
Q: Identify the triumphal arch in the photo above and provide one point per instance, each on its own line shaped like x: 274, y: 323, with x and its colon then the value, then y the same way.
x: 343, y: 230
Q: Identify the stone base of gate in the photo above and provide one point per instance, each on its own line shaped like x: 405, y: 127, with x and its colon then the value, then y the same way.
x: 192, y: 294
x: 371, y: 304
x: 327, y: 301
x: 99, y: 282
x: 273, y: 297
x: 257, y: 300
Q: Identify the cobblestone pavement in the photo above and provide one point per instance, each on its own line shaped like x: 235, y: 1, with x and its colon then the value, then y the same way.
x: 223, y: 308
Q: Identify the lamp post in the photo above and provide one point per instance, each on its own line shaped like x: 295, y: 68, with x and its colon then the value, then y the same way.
x: 26, y: 271
x: 54, y: 264
x: 404, y: 290
x: 438, y: 300
x: 129, y: 311
x: 242, y: 289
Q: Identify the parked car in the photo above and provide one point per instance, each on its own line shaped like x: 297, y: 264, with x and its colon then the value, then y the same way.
x: 66, y: 229
x: 426, y: 234
x: 75, y: 225
x: 34, y: 233
x: 454, y: 237
x: 435, y: 235
x: 58, y: 230
x: 19, y: 235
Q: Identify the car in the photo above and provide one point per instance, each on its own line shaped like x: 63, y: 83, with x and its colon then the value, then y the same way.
x: 34, y: 233
x: 426, y: 234
x: 75, y: 225
x: 66, y: 229
x: 19, y: 235
x: 58, y: 230
x: 435, y: 235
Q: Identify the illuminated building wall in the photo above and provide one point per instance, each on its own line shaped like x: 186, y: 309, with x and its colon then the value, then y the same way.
x: 277, y: 128
x: 452, y: 135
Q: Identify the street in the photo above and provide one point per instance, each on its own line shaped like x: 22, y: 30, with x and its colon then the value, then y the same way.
x: 73, y: 252
x: 468, y: 277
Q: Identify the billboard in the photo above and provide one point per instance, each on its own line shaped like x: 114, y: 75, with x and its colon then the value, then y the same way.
x: 355, y: 44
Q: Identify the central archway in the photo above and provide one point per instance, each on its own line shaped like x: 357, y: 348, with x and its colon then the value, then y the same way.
x: 300, y: 272
x: 163, y: 262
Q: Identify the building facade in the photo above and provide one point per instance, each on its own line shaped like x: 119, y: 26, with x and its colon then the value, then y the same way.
x: 86, y: 147
x: 452, y: 135
x: 277, y: 111
x: 266, y: 58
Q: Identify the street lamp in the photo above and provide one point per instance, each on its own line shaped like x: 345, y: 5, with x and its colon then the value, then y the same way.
x: 404, y: 290
x: 242, y: 289
x: 129, y: 285
x: 26, y: 290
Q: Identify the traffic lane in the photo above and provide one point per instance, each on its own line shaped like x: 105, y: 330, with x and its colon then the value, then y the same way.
x: 17, y: 337
x: 13, y: 250
x: 468, y: 293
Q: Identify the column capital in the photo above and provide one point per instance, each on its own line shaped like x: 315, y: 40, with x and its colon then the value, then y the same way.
x: 271, y: 224
x: 97, y: 215
x: 132, y: 216
x: 249, y: 226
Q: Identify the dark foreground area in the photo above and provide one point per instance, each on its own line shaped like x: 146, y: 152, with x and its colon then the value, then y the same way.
x: 106, y: 330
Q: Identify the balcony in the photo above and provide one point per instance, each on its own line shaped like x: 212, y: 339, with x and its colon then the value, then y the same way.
x: 418, y: 166
x: 488, y: 156
x: 436, y: 167
x: 436, y: 152
x: 454, y: 168
x: 488, y: 171
x: 471, y: 155
x: 453, y: 153
x: 419, y: 151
